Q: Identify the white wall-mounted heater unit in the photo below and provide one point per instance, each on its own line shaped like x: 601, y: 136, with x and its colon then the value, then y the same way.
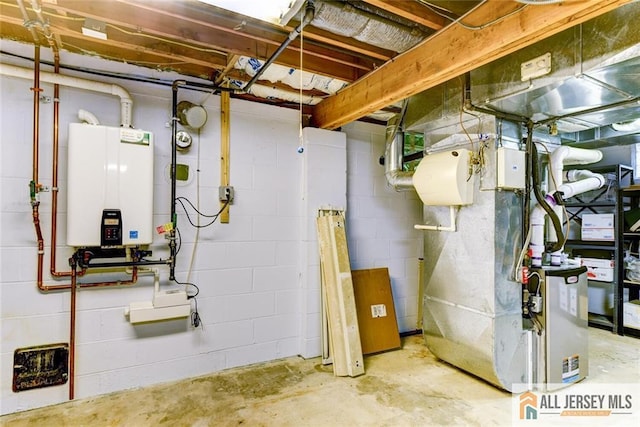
x: 109, y: 186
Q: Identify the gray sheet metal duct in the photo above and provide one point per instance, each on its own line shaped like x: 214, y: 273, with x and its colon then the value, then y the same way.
x: 592, y: 85
x: 394, y: 153
x: 471, y: 308
x: 593, y: 65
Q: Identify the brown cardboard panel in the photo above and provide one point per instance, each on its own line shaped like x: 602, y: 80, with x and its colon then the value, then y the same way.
x: 375, y: 309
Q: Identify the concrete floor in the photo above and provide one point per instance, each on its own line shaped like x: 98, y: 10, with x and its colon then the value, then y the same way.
x: 403, y: 387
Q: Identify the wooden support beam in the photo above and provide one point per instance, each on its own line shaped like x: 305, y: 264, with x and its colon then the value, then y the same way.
x: 503, y: 27
x: 225, y: 138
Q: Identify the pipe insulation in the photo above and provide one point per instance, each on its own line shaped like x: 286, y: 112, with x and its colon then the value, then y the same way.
x: 346, y: 20
x: 126, y: 103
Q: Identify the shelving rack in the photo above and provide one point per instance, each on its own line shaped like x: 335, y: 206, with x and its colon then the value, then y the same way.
x: 609, y: 199
x: 631, y: 240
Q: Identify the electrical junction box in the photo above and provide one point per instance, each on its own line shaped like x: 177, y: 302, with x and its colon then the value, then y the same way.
x: 511, y: 173
x: 109, y: 186
x: 535, y: 67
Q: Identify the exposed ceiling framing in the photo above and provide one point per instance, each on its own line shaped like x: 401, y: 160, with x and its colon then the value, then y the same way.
x: 199, y: 40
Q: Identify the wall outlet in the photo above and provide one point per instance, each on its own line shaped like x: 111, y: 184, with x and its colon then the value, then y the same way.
x: 225, y: 193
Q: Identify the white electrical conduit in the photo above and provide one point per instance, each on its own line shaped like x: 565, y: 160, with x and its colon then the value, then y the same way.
x: 126, y: 103
x: 452, y: 222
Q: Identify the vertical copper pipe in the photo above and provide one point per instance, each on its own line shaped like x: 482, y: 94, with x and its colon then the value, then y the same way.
x: 36, y: 113
x: 35, y: 186
x: 72, y: 331
x: 54, y: 175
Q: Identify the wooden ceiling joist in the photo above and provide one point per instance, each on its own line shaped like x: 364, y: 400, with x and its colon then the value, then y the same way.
x: 454, y: 51
x: 412, y: 11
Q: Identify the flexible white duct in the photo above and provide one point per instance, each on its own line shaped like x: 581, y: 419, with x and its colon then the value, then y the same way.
x: 126, y: 103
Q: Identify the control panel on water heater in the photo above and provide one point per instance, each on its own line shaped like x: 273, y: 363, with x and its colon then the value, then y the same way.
x: 110, y: 186
x: 111, y: 228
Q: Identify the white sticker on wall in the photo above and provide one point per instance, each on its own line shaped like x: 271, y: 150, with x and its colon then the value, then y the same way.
x: 379, y: 310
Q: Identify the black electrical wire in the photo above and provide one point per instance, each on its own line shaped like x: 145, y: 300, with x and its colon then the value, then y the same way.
x: 189, y: 284
x: 195, y: 316
x: 195, y: 209
x: 535, y: 173
x: 179, y: 240
x: 215, y: 217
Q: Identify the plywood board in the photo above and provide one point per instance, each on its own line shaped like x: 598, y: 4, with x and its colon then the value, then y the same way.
x: 344, y: 335
x: 376, y: 311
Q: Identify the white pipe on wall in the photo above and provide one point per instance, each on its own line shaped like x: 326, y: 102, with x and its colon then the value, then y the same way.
x: 126, y: 103
x: 88, y: 117
x: 451, y: 227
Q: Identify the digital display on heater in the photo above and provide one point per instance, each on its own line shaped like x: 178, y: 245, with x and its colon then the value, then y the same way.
x: 111, y: 221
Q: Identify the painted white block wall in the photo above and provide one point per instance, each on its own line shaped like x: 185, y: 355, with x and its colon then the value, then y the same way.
x: 380, y: 221
x: 255, y: 302
x: 324, y: 187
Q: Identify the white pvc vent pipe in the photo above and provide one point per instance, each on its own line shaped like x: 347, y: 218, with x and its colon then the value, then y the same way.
x: 87, y: 117
x: 126, y: 103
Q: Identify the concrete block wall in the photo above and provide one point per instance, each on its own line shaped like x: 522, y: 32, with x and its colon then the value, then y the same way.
x: 380, y: 221
x: 258, y: 295
x: 247, y: 270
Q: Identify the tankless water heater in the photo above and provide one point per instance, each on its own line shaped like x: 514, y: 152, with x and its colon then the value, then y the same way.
x: 109, y: 186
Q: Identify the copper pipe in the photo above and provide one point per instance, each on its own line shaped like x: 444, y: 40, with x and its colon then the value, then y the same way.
x: 36, y: 113
x: 132, y: 281
x: 54, y: 176
x: 35, y: 186
x: 72, y: 330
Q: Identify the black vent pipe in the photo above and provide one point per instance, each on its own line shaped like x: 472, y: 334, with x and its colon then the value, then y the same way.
x: 309, y: 13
